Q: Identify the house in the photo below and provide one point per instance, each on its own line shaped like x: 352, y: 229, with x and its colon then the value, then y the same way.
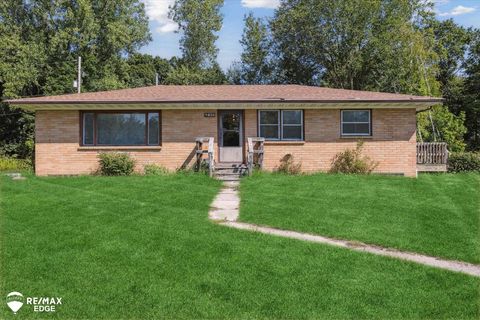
x: 160, y: 124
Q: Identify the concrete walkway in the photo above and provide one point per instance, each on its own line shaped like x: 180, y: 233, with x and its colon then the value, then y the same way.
x: 226, y: 204
x: 225, y: 211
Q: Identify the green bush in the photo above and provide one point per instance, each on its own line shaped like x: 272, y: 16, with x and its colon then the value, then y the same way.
x: 464, y: 161
x: 116, y: 164
x: 288, y: 165
x: 155, y: 170
x: 352, y: 161
x: 13, y: 164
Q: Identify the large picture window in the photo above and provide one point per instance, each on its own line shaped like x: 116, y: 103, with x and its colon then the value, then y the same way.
x: 121, y: 128
x: 281, y: 124
x: 356, y: 123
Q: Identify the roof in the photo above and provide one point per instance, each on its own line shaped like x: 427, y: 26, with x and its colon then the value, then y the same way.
x: 223, y: 93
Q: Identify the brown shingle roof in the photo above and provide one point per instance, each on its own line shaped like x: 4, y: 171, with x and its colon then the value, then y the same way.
x: 225, y: 93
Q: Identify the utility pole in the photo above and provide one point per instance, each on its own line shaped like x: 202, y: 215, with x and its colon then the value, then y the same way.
x: 79, y: 75
x: 156, y: 79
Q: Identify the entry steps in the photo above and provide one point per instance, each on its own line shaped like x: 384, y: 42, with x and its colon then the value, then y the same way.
x: 229, y: 171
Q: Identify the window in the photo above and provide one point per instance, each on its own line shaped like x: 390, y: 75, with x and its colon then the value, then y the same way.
x: 121, y: 128
x: 281, y: 124
x: 356, y: 123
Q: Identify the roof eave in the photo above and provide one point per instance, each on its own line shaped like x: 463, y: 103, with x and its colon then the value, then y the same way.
x: 75, y: 102
x: 420, y: 104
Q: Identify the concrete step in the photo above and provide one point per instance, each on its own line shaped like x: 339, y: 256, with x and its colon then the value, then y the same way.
x: 231, y: 171
x: 229, y: 165
x: 227, y: 177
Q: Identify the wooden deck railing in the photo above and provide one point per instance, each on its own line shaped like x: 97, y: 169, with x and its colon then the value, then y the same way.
x: 432, y: 153
x: 254, y: 153
x: 200, y: 151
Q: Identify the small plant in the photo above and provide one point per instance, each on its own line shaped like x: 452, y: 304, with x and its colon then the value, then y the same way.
x: 288, y: 165
x: 116, y: 164
x: 352, y: 161
x: 13, y: 164
x: 155, y: 170
x: 464, y: 162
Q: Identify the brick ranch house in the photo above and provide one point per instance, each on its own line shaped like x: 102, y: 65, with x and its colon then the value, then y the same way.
x: 160, y: 124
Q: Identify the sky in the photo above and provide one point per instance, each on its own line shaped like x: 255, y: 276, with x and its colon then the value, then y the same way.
x: 165, y: 40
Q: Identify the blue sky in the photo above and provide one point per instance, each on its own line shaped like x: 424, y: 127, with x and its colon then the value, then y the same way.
x: 165, y: 40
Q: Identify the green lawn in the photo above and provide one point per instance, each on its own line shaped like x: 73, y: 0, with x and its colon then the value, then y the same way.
x: 434, y: 214
x: 143, y: 248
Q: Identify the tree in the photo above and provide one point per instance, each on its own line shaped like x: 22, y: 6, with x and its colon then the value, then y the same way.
x: 255, y: 66
x: 451, y: 44
x: 41, y: 40
x: 142, y: 69
x: 439, y: 124
x: 183, y: 75
x: 472, y: 93
x: 381, y: 46
x: 199, y: 21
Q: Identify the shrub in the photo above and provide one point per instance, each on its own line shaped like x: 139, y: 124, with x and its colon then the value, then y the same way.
x: 155, y: 170
x: 116, y: 164
x: 464, y: 161
x: 288, y: 165
x: 352, y: 161
x: 13, y: 164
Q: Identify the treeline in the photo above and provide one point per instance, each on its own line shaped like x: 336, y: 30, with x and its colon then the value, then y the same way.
x: 392, y: 46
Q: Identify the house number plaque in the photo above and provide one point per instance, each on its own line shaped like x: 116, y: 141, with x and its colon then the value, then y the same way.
x: 209, y: 114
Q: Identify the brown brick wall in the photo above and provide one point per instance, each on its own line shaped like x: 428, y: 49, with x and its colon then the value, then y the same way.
x: 57, y: 142
x: 392, y: 142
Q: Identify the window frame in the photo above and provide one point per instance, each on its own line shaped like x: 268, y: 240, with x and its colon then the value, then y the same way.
x: 369, y: 134
x: 280, y: 124
x: 95, y: 128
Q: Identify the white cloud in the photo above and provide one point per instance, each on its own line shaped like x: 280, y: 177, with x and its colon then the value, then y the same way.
x: 272, y: 4
x: 157, y: 10
x: 458, y: 10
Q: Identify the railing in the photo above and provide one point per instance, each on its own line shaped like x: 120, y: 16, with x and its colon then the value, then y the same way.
x: 254, y: 153
x: 432, y: 153
x: 210, y: 151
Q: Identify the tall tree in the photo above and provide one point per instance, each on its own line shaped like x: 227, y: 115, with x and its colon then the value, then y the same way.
x: 40, y: 42
x: 183, y: 75
x: 199, y: 21
x: 472, y: 93
x: 451, y: 45
x: 439, y: 124
x: 348, y: 44
x: 255, y: 65
x: 143, y: 68
x: 102, y: 32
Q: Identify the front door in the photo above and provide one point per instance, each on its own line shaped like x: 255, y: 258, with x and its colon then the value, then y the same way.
x: 230, y: 139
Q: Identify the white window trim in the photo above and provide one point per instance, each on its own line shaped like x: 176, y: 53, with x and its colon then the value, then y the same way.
x: 280, y: 124
x: 356, y: 122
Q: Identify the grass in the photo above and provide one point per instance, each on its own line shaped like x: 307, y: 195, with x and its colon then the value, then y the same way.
x: 143, y: 248
x: 8, y: 164
x: 435, y: 214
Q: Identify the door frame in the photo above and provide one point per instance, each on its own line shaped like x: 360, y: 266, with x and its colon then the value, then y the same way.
x: 242, y: 131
